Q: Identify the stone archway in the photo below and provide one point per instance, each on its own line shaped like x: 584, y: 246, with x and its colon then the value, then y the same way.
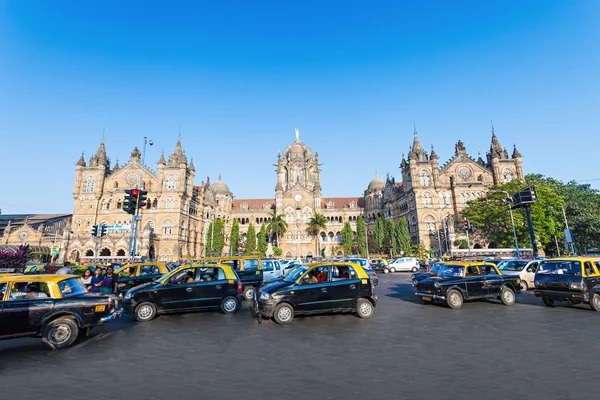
x: 105, y: 252
x: 74, y: 256
x: 288, y: 254
x: 89, y: 253
x: 121, y: 253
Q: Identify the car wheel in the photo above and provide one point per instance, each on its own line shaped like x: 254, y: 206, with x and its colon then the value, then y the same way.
x: 229, y: 305
x: 364, y: 308
x: 548, y: 301
x: 283, y: 314
x: 414, y: 269
x: 507, y: 296
x: 60, y: 333
x: 392, y: 269
x: 595, y: 302
x: 454, y: 299
x: 385, y: 271
x: 145, y: 312
x: 249, y: 292
x: 524, y: 285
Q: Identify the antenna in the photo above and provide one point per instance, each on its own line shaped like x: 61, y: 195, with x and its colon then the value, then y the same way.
x: 179, y: 136
x: 492, y: 123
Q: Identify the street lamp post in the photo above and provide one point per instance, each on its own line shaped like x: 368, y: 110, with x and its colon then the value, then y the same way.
x: 512, y: 220
x: 567, y: 227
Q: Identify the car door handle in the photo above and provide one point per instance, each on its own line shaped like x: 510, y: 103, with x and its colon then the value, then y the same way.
x: 324, y: 290
x: 218, y: 286
x: 188, y: 289
x: 352, y: 286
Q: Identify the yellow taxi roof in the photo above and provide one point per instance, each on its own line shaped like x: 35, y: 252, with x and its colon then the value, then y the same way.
x: 468, y: 263
x: 36, y: 278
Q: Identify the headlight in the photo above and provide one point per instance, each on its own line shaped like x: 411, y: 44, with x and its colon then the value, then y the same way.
x: 128, y: 295
x: 436, y: 284
x: 518, y: 281
x: 577, y: 286
x: 264, y: 296
x: 537, y: 284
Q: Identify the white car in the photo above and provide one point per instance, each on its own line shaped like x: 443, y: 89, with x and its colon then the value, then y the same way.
x: 271, y: 269
x: 402, y: 264
x: 525, y: 269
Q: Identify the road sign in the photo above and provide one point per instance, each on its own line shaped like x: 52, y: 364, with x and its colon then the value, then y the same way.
x: 569, y: 236
x: 55, y: 250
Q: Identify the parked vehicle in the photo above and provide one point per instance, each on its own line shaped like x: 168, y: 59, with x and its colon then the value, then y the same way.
x: 318, y: 288
x: 402, y: 264
x: 131, y: 275
x: 457, y: 282
x: 271, y: 269
x: 378, y: 264
x: 57, y: 308
x: 363, y: 262
x: 571, y: 279
x: 250, y: 271
x: 187, y: 288
x: 433, y: 270
x: 524, y: 269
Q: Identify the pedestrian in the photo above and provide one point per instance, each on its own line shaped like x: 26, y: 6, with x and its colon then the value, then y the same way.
x: 86, y: 279
x: 96, y: 281
x: 109, y: 283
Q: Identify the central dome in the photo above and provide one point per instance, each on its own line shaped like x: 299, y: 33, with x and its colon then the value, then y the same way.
x: 219, y: 187
x: 376, y: 184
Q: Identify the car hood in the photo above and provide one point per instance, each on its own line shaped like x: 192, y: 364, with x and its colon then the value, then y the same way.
x: 274, y: 286
x: 144, y: 286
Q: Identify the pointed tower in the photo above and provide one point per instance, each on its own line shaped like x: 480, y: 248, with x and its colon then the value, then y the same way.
x: 100, y: 159
x: 516, y: 158
x: 435, y: 167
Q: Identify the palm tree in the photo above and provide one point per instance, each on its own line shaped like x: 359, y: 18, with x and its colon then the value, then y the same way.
x: 316, y: 224
x: 277, y: 226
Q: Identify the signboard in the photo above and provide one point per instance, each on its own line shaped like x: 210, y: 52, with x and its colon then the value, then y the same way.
x: 569, y: 236
x: 54, y: 250
x: 118, y: 228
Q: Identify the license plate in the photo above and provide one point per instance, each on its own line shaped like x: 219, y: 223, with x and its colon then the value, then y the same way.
x: 100, y: 308
x: 425, y: 298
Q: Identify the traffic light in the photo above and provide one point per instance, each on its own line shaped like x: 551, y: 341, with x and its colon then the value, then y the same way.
x: 142, y: 199
x: 130, y: 203
x: 103, y: 230
x: 95, y: 231
x: 465, y: 224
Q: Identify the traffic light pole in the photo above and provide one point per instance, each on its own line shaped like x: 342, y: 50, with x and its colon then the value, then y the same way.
x: 136, y: 216
x: 468, y: 243
x: 531, y: 233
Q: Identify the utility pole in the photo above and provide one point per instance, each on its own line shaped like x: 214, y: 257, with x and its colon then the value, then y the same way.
x: 136, y: 218
x: 468, y: 243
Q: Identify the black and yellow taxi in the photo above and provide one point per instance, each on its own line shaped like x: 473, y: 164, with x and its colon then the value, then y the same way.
x: 91, y: 266
x: 57, y: 308
x: 459, y: 281
x: 187, y: 288
x: 249, y: 269
x: 318, y: 288
x: 570, y: 279
x: 131, y: 275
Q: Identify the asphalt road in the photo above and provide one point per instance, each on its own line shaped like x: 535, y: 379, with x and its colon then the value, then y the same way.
x: 408, y: 350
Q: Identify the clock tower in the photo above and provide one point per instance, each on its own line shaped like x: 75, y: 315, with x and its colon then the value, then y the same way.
x: 298, y: 194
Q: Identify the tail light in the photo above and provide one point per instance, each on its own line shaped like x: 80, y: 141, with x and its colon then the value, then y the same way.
x: 239, y: 286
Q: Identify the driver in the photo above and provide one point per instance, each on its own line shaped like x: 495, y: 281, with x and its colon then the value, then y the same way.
x: 312, y: 278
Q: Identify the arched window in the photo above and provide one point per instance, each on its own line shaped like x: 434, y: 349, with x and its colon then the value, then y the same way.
x: 461, y: 198
x: 508, y: 175
x: 81, y: 203
x: 430, y: 225
x: 119, y: 204
x: 171, y: 183
x: 170, y: 203
x: 427, y: 199
x: 90, y: 182
x: 78, y: 224
x: 167, y: 227
x: 116, y: 185
x: 154, y: 204
x: 424, y: 178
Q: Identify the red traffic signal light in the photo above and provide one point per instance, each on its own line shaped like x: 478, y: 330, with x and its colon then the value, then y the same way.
x: 465, y: 224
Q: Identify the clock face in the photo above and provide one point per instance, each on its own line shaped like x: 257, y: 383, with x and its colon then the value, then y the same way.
x: 132, y: 179
x: 464, y: 172
x: 23, y: 235
x: 298, y: 198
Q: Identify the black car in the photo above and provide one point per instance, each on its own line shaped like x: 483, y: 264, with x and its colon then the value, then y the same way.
x: 57, y: 308
x: 318, y: 288
x: 250, y: 271
x: 571, y: 279
x: 459, y: 281
x: 188, y: 288
x: 433, y: 270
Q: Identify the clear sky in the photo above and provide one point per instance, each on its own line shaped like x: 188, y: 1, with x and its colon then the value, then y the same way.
x: 239, y: 76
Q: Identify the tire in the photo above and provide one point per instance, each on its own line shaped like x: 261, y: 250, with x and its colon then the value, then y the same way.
x: 249, y: 292
x: 524, y: 286
x: 595, y: 302
x: 229, y: 305
x: 60, y: 333
x: 454, y: 299
x: 283, y: 314
x: 364, y: 308
x: 507, y: 296
x: 414, y: 269
x: 145, y: 312
x: 392, y: 269
x: 548, y: 301
x: 385, y: 271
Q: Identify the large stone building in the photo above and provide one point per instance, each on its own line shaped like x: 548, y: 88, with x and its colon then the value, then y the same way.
x: 176, y: 220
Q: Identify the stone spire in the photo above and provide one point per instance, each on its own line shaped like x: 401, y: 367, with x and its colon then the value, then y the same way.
x: 177, y: 157
x: 161, y: 160
x: 116, y: 167
x: 99, y: 159
x: 135, y: 155
x: 81, y: 161
x: 433, y: 155
x: 516, y: 153
x: 403, y: 162
x: 417, y: 152
x: 496, y: 150
x: 192, y: 168
x: 480, y: 160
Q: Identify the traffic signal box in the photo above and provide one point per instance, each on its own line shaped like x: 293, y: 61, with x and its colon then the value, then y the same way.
x: 95, y: 231
x: 130, y: 203
x: 103, y: 230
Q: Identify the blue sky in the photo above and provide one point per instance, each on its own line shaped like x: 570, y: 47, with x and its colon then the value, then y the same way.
x: 239, y: 76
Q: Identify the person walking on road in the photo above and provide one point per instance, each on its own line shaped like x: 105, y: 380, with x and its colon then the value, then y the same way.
x: 96, y: 282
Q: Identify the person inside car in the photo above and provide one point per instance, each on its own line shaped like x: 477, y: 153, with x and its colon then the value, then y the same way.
x: 33, y: 292
x: 189, y: 277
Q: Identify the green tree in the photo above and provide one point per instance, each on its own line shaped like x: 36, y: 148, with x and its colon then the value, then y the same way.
x: 261, y: 245
x: 403, y: 236
x: 315, y: 225
x: 251, y: 239
x: 277, y: 251
x: 461, y: 243
x: 219, y: 236
x: 277, y: 226
x: 347, y: 238
x: 419, y: 251
x: 379, y: 236
x: 208, y: 247
x: 234, y: 238
x: 361, y: 236
x: 390, y: 241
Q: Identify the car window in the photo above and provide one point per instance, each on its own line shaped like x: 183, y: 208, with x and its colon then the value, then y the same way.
x: 342, y: 272
x: 268, y: 266
x: 316, y: 275
x: 597, y: 265
x: 451, y: 271
x: 29, y: 290
x: 277, y: 266
x: 560, y: 267
x: 220, y: 274
x: 131, y: 271
x: 71, y: 287
x: 473, y: 271
x: 251, y: 265
x: 3, y: 287
x: 487, y: 270
x: 589, y: 268
x: 149, y: 270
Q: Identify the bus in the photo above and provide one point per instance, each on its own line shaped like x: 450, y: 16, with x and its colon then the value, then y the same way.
x: 482, y: 254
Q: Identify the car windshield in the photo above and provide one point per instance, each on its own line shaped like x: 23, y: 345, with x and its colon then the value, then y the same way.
x: 71, y: 287
x: 558, y: 267
x: 295, y: 273
x: 448, y: 271
x: 512, y: 265
x: 435, y: 268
